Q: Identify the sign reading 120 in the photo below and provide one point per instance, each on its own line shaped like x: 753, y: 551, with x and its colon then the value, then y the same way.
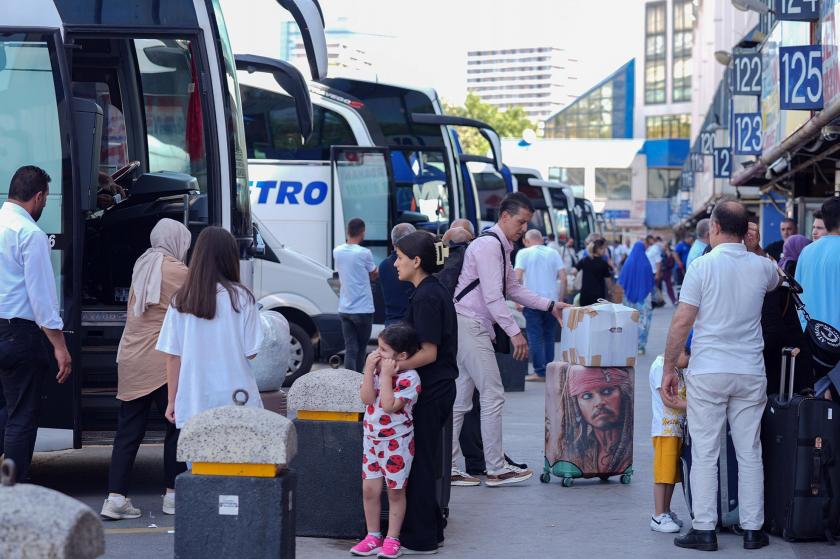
x: 747, y: 134
x: 801, y: 77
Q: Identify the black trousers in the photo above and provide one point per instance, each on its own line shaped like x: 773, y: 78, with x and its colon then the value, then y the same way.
x: 422, y: 528
x: 472, y: 447
x: 131, y: 428
x: 356, y: 330
x: 25, y: 361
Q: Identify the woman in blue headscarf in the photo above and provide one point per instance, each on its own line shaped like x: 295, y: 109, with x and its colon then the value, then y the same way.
x: 637, y: 280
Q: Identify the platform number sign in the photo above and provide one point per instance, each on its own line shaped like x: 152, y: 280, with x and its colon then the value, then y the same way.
x: 723, y: 163
x: 697, y: 162
x: 707, y: 143
x: 747, y: 73
x: 797, y: 10
x: 800, y: 76
x: 687, y: 181
x: 746, y: 134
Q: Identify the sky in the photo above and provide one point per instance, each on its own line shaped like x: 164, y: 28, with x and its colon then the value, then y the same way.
x: 430, y: 38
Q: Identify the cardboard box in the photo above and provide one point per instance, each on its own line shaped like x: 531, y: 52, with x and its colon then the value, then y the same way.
x: 600, y: 335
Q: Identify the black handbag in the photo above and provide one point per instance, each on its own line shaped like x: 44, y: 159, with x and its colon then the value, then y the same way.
x: 502, y: 342
x: 823, y: 339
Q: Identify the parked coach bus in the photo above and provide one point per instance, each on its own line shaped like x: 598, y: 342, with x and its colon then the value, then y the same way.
x: 146, y: 92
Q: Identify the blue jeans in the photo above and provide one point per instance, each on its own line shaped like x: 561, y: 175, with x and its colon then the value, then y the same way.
x: 540, y: 327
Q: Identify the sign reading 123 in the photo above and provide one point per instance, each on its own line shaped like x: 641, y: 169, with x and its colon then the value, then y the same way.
x: 747, y: 133
x: 801, y: 77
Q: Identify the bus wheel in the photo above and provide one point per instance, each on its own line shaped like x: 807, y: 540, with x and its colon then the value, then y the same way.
x: 303, y: 353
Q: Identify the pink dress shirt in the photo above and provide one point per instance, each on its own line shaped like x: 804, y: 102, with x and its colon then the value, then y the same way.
x: 486, y: 303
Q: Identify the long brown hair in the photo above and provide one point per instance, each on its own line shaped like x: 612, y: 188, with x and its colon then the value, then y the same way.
x: 215, y: 260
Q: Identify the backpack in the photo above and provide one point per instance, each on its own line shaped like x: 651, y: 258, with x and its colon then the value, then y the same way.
x: 451, y: 273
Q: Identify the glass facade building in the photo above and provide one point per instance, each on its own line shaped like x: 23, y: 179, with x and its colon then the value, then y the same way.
x: 605, y: 111
x: 656, y: 55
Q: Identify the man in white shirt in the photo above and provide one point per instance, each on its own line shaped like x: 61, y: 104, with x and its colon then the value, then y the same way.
x: 28, y: 312
x: 355, y: 267
x: 721, y: 298
x: 541, y: 267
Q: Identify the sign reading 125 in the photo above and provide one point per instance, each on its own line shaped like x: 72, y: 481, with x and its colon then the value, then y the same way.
x: 747, y: 134
x: 801, y: 77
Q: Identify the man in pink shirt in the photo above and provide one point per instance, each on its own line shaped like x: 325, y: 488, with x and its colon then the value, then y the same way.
x: 478, y: 310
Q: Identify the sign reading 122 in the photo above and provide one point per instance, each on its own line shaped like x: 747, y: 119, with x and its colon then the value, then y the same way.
x: 801, y: 77
x: 747, y: 134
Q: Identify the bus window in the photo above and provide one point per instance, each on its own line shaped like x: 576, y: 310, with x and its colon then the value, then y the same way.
x: 29, y: 125
x: 422, y: 186
x: 271, y: 128
x: 174, y: 130
x: 362, y: 179
x: 491, y: 191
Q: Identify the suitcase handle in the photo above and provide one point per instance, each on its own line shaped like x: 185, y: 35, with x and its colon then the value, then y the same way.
x: 788, y: 366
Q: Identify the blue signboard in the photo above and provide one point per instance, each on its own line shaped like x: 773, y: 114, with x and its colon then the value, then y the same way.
x: 707, y: 143
x: 723, y: 163
x: 797, y: 10
x: 746, y: 71
x: 685, y: 209
x: 697, y: 163
x: 746, y: 133
x: 617, y: 214
x: 800, y: 74
x: 687, y: 181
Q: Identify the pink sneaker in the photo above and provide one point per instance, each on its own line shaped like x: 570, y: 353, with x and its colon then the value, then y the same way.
x: 368, y: 546
x: 390, y: 549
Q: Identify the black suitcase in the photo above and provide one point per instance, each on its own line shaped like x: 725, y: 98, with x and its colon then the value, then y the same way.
x: 800, y: 437
x: 727, y: 480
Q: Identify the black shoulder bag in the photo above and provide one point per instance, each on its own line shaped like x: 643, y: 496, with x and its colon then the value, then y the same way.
x: 823, y: 339
x: 502, y: 343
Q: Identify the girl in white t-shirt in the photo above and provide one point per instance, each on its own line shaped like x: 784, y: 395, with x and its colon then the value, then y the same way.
x: 666, y: 434
x: 210, y: 331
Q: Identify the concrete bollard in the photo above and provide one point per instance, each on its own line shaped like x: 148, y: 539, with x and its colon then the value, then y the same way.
x: 329, y: 426
x: 238, y: 499
x: 36, y: 522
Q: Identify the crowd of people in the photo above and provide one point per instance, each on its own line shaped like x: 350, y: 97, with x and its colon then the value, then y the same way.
x: 192, y: 328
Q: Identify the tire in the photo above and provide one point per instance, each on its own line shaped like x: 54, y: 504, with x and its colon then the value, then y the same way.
x: 303, y: 353
x: 545, y: 477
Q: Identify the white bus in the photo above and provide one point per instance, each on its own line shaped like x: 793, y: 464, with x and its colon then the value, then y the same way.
x: 146, y: 92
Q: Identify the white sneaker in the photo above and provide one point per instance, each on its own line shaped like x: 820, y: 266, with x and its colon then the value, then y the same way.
x: 676, y: 519
x: 112, y: 511
x: 510, y: 475
x: 463, y: 479
x: 169, y: 503
x: 663, y: 523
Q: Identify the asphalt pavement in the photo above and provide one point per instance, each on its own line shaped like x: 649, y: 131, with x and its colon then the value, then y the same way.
x: 532, y: 519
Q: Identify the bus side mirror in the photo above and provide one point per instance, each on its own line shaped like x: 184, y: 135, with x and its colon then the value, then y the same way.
x: 87, y: 134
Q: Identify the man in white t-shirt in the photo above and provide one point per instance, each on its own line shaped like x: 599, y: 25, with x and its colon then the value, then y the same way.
x: 721, y: 298
x: 541, y: 267
x: 356, y: 270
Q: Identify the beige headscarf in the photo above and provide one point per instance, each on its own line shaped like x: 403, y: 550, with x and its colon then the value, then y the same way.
x: 169, y: 238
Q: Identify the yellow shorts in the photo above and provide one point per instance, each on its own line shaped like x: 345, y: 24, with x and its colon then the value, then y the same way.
x: 666, y: 459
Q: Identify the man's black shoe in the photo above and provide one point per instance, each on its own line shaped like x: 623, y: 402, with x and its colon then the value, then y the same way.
x: 755, y: 539
x: 704, y: 540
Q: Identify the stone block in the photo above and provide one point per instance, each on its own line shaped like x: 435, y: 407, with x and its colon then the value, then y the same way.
x: 242, y: 517
x: 327, y: 390
x: 39, y: 523
x: 329, y: 467
x: 238, y: 435
x: 272, y: 361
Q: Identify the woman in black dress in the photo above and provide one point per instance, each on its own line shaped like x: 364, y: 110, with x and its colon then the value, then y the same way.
x: 596, y: 270
x: 432, y: 314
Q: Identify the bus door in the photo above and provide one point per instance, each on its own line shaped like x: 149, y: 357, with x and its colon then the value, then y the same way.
x: 35, y: 128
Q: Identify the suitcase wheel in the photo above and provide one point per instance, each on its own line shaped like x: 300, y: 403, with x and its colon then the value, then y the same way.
x: 604, y: 478
x: 545, y: 477
x: 626, y: 479
x: 568, y: 482
x: 445, y: 512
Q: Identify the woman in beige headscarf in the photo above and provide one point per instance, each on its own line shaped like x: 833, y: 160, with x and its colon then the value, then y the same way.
x: 158, y: 274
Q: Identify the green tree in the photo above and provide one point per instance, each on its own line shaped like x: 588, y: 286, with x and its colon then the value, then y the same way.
x: 509, y: 123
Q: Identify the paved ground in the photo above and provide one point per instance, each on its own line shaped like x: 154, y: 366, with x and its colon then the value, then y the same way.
x: 533, y: 519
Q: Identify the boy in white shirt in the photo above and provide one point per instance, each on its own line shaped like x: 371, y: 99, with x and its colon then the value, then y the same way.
x: 666, y: 434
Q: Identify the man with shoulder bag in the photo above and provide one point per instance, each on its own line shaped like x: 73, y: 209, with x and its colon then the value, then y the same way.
x: 486, y: 326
